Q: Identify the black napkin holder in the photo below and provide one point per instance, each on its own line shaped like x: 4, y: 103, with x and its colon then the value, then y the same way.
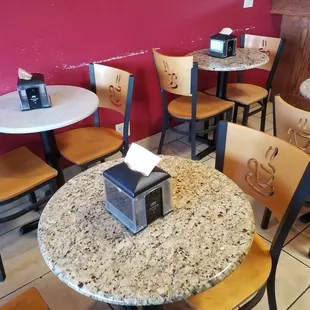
x: 223, y: 45
x: 33, y: 93
x: 134, y: 199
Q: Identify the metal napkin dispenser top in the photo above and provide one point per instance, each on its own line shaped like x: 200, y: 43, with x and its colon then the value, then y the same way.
x: 32, y: 92
x: 223, y: 44
x: 134, y: 199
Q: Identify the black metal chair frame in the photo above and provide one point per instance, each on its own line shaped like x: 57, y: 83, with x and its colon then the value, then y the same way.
x: 124, y: 148
x: 285, y: 225
x: 193, y: 134
x: 263, y: 103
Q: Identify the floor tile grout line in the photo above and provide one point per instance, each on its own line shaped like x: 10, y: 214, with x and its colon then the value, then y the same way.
x: 15, y: 290
x: 298, y: 298
x: 296, y: 258
x: 285, y: 244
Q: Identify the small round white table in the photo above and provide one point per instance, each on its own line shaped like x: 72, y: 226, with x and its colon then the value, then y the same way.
x: 70, y: 104
x: 245, y: 59
x: 202, y: 241
x: 305, y: 89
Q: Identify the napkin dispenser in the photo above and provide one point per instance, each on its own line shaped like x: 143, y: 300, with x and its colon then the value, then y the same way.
x: 223, y: 44
x: 32, y: 91
x: 134, y: 199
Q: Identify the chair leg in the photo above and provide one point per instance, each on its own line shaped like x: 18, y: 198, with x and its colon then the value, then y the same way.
x: 263, y: 119
x: 2, y: 271
x: 193, y: 140
x: 32, y: 197
x: 162, y: 140
x: 235, y: 113
x: 245, y: 116
x: 266, y: 218
x: 271, y: 291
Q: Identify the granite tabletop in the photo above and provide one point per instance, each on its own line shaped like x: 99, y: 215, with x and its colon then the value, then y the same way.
x: 305, y: 88
x: 194, y: 247
x: 246, y: 58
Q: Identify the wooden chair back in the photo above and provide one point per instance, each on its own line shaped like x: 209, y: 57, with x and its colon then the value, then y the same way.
x: 292, y: 124
x: 265, y: 167
x: 174, y: 73
x: 113, y: 87
x: 273, y: 47
x: 267, y: 45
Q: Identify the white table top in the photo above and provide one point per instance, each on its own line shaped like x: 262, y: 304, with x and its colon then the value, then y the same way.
x: 70, y: 104
x: 197, y: 245
x: 246, y: 58
x: 305, y: 88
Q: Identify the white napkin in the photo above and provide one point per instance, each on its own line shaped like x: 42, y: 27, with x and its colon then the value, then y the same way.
x: 140, y: 159
x: 226, y: 31
x: 23, y: 74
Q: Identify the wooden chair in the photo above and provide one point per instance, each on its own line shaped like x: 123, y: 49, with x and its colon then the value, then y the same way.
x: 84, y: 146
x: 291, y: 125
x: 21, y: 173
x: 245, y: 95
x: 179, y: 76
x: 276, y: 174
x: 29, y: 300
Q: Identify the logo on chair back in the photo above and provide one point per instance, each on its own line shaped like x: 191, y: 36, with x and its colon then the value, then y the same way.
x: 300, y: 137
x: 171, y: 79
x: 261, y: 175
x: 115, y: 92
x: 263, y: 49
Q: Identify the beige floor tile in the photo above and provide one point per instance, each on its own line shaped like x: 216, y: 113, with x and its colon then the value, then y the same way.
x: 29, y: 217
x: 291, y: 281
x: 13, y: 204
x: 59, y: 296
x: 273, y: 224
x: 182, y: 305
x: 184, y: 139
x: 71, y: 172
x: 177, y: 148
x: 254, y: 122
x: 299, y: 247
x: 303, y: 303
x: 269, y: 132
x: 209, y: 161
x: 152, y: 142
x: 22, y: 260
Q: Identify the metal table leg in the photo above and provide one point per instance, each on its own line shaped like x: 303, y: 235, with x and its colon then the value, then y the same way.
x: 53, y: 159
x: 222, y: 80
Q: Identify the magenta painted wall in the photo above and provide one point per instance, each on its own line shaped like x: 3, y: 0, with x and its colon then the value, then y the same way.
x: 60, y: 37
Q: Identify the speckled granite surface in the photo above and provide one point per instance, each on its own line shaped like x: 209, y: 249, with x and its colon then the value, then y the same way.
x: 193, y: 248
x: 246, y: 58
x: 305, y: 89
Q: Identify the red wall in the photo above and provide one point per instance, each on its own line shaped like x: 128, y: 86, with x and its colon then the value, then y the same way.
x: 59, y: 38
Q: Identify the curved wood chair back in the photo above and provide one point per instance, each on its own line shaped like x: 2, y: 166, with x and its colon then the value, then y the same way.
x: 112, y: 86
x: 174, y: 73
x: 265, y: 167
x: 292, y: 124
x: 273, y: 47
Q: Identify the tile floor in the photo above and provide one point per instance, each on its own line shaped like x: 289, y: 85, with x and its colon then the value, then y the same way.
x: 25, y: 267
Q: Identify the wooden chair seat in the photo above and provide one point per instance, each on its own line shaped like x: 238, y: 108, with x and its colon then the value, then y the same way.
x: 84, y: 145
x: 247, y: 279
x: 20, y: 171
x: 246, y: 94
x: 29, y: 300
x: 207, y: 106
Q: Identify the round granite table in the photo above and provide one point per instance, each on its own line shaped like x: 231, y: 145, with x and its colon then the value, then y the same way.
x: 245, y: 59
x: 197, y: 245
x: 305, y: 89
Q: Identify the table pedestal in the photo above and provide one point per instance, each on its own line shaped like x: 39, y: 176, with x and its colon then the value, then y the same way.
x: 222, y: 79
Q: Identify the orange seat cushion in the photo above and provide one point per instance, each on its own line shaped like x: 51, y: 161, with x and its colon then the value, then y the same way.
x: 84, y: 145
x: 207, y: 106
x: 29, y: 300
x: 20, y: 171
x: 247, y: 279
x: 242, y: 93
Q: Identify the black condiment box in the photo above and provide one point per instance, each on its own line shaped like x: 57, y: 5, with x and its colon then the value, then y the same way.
x: 223, y: 45
x: 33, y: 93
x: 134, y: 199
